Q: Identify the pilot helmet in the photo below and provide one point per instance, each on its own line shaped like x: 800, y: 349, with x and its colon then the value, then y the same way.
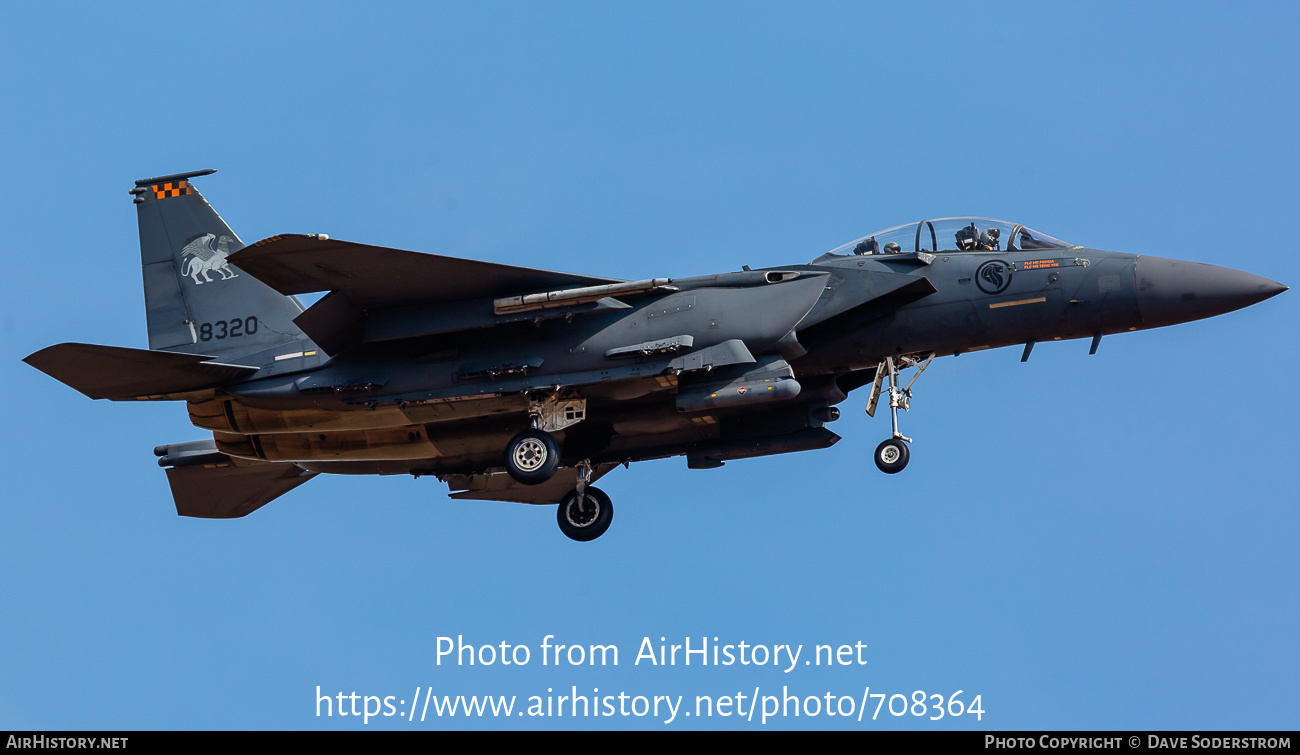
x: 892, y: 248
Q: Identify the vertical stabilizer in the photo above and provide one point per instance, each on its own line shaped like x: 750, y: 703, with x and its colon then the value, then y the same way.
x: 195, y: 301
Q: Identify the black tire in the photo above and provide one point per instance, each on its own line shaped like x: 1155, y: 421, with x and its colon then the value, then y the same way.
x: 892, y: 456
x: 532, y: 457
x: 587, y: 525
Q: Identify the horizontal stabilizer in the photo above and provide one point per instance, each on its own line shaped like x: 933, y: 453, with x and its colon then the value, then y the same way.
x: 502, y: 487
x: 118, y: 373
x: 373, y: 277
x: 228, y: 492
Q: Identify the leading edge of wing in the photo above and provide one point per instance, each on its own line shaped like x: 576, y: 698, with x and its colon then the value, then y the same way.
x: 377, y: 276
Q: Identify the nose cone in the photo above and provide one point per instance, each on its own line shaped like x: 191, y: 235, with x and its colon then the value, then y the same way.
x: 1174, y: 291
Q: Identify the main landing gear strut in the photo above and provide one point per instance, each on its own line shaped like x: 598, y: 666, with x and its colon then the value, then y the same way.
x: 587, y: 512
x: 892, y: 455
x: 533, y: 456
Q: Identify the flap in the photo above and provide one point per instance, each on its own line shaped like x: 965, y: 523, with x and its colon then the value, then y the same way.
x: 377, y: 276
x: 119, y: 373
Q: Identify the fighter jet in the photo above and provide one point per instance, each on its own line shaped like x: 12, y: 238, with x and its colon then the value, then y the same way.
x: 518, y: 384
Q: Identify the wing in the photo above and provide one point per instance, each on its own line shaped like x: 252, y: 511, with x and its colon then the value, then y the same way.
x: 364, y: 278
x: 375, y: 277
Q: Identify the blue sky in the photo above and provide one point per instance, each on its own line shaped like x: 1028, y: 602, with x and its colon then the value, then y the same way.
x: 1084, y: 542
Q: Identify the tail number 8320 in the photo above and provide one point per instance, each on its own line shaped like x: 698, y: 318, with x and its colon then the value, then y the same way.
x: 222, y: 329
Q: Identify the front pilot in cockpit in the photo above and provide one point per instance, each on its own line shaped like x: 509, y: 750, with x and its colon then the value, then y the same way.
x: 972, y: 238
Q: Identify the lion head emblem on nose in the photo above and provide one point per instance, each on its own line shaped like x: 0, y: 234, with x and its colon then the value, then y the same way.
x: 993, y: 277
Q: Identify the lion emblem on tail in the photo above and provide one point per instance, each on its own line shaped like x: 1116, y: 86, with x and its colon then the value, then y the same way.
x: 200, y: 257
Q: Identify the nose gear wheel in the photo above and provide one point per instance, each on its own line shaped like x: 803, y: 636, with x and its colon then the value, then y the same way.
x: 892, y: 456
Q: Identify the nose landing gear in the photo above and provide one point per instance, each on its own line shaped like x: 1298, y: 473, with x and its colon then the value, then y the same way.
x: 892, y: 455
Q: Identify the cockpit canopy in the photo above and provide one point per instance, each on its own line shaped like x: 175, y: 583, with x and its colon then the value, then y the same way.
x: 952, y: 235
